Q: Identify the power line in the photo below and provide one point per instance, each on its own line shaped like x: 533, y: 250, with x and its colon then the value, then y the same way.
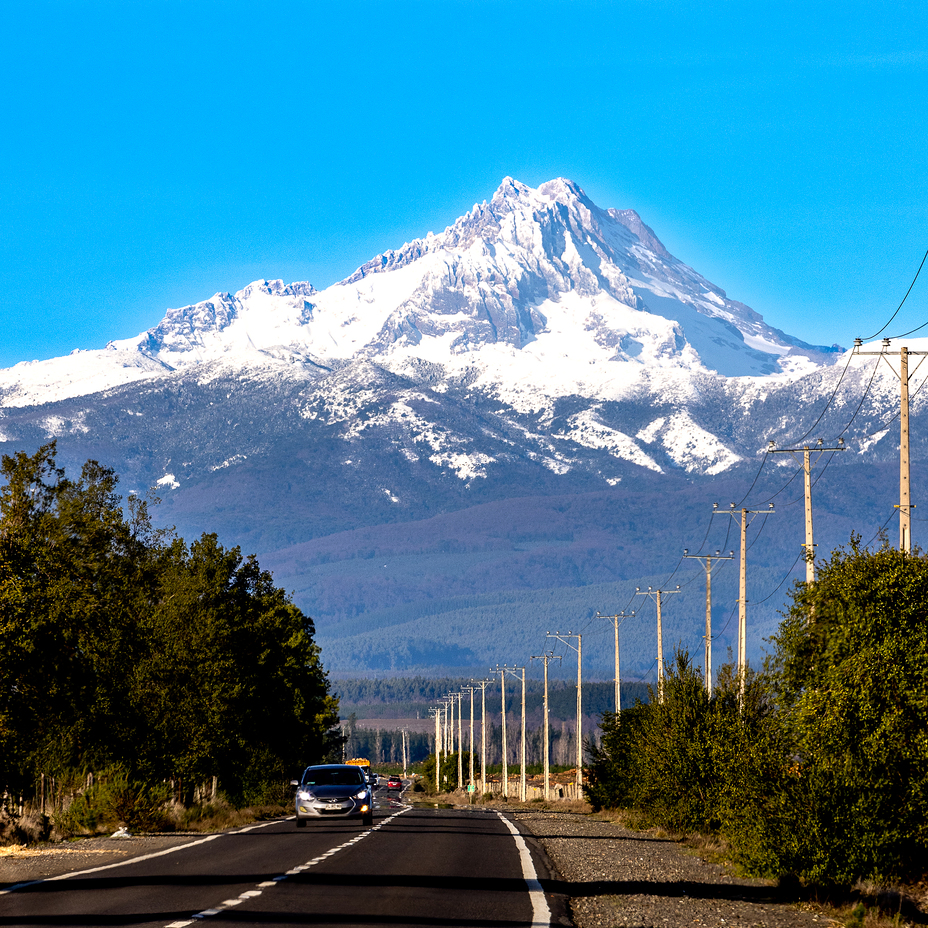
x: 896, y: 414
x: 798, y: 556
x: 861, y: 403
x: 751, y: 487
x: 881, y: 528
x: 731, y: 615
x: 850, y: 355
x: 917, y: 328
x: 896, y: 313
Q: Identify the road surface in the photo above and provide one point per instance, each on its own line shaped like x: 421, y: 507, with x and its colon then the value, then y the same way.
x: 414, y: 867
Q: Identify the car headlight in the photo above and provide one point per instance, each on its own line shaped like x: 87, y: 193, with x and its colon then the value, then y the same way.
x: 304, y: 794
x: 361, y: 795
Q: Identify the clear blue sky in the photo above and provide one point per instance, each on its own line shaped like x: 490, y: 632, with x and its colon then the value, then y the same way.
x: 153, y: 153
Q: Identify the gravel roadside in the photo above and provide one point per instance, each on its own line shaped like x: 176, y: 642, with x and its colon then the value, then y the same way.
x: 617, y: 877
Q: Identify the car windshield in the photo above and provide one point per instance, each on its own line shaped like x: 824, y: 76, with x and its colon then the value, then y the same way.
x: 333, y: 776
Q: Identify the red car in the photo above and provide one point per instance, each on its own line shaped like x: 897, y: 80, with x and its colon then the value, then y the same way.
x: 394, y: 783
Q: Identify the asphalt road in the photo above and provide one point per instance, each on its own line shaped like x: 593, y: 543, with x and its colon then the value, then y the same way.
x: 419, y: 866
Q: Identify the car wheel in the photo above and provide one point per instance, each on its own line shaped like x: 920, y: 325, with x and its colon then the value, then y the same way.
x: 368, y: 819
x: 301, y: 823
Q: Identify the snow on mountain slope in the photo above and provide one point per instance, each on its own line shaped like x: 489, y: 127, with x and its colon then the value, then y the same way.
x: 542, y: 271
x: 81, y: 373
x: 532, y: 299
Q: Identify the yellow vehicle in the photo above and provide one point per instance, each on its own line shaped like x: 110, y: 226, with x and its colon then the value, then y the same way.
x: 364, y: 764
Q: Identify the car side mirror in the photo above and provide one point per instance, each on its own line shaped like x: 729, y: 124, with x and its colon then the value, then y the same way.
x: 294, y: 782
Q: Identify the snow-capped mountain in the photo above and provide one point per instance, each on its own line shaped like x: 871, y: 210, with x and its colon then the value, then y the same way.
x: 532, y: 277
x: 538, y: 347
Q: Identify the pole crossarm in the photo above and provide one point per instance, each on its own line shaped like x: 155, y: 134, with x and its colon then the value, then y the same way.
x: 656, y: 596
x: 566, y: 639
x: 616, y: 624
x: 709, y: 559
x: 905, y: 506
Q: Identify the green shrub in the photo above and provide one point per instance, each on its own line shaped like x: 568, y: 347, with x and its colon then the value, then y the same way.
x: 822, y: 773
x: 115, y: 800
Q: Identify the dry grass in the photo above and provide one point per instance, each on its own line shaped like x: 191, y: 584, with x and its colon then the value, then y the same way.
x: 218, y: 816
x: 496, y: 801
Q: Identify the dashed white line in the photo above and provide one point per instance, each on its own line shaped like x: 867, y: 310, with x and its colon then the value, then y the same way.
x: 294, y: 871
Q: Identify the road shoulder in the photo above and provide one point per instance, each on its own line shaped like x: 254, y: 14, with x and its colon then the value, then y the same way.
x: 617, y: 877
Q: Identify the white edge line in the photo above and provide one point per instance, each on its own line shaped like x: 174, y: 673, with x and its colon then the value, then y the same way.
x: 119, y: 863
x: 541, y: 913
x: 141, y: 857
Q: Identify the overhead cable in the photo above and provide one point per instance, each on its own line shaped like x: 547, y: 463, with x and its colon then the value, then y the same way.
x: 759, y: 601
x: 896, y: 313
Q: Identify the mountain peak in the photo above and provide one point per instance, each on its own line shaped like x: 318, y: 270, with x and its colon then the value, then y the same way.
x: 536, y: 278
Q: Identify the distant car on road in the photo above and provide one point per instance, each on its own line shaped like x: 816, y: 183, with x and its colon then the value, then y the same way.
x: 394, y: 783
x: 333, y: 791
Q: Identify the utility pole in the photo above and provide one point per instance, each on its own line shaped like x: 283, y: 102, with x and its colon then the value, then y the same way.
x: 807, y: 473
x: 483, y: 684
x: 470, y: 689
x: 513, y: 672
x: 566, y: 639
x: 656, y: 596
x: 547, y: 656
x: 708, y: 636
x: 435, y: 712
x: 618, y: 676
x: 505, y: 775
x: 743, y: 590
x: 459, y: 698
x: 905, y: 503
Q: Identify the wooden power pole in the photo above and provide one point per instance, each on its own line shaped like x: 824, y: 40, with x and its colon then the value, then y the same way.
x: 505, y: 774
x: 436, y: 713
x: 656, y: 596
x: 742, y: 589
x: 470, y: 781
x: 566, y: 639
x: 708, y: 636
x: 514, y: 672
x: 618, y: 674
x: 483, y: 684
x: 806, y: 462
x: 905, y: 501
x: 547, y: 656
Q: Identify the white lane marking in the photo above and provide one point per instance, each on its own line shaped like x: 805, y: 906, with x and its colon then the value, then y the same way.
x: 541, y: 914
x: 135, y: 860
x: 121, y: 863
x: 296, y: 870
x: 275, y: 821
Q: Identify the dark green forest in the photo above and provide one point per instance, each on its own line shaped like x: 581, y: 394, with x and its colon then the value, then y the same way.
x: 404, y: 697
x: 822, y: 772
x: 125, y: 648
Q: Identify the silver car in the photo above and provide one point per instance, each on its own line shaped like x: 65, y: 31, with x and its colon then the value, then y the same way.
x: 333, y: 791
